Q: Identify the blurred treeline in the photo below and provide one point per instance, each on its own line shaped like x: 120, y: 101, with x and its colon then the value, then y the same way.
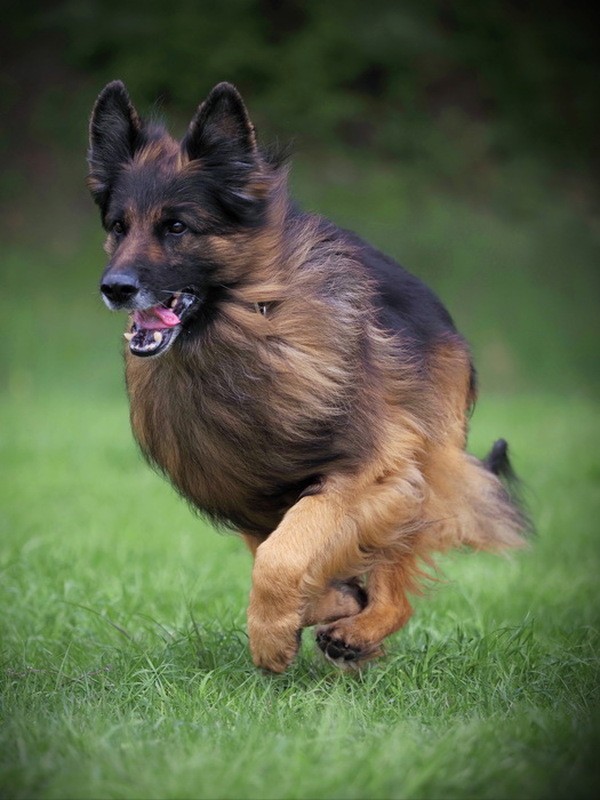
x: 459, y: 137
x: 400, y: 78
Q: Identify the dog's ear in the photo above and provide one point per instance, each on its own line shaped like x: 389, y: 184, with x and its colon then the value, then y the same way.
x: 221, y: 137
x: 221, y: 125
x: 114, y: 134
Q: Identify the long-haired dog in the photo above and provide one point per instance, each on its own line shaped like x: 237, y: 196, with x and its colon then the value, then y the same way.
x: 292, y: 382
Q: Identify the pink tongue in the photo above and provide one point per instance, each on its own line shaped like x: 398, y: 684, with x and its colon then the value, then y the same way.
x: 155, y: 318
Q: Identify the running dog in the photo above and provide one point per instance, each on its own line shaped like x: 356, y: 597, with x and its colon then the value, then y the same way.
x: 291, y: 381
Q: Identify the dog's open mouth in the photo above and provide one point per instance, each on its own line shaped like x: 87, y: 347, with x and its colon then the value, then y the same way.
x: 153, y: 330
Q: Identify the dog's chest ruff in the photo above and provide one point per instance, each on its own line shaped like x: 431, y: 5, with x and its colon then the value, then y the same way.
x: 241, y: 433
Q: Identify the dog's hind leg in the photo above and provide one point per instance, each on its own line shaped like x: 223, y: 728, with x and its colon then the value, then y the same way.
x: 342, y: 598
x: 348, y: 642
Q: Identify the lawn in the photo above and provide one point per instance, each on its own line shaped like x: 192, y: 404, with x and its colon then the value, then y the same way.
x: 125, y: 668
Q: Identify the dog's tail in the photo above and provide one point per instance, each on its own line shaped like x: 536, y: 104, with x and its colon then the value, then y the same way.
x: 483, y: 502
x: 498, y: 462
x: 502, y: 516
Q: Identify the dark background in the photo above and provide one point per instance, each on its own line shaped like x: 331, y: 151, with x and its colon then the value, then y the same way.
x: 460, y: 137
x: 377, y: 75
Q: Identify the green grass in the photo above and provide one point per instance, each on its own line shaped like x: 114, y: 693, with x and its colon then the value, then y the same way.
x: 125, y: 665
x: 124, y: 662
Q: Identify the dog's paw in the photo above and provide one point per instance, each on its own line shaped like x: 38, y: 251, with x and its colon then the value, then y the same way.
x: 342, y: 651
x: 274, y: 647
x: 337, y: 650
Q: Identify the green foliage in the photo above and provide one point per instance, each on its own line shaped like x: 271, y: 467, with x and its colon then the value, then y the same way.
x: 380, y: 75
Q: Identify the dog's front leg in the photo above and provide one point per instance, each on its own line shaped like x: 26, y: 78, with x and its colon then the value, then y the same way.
x: 352, y: 524
x: 280, y: 598
x: 341, y: 598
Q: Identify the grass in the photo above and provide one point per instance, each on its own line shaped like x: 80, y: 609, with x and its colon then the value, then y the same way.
x: 125, y: 671
x: 125, y: 663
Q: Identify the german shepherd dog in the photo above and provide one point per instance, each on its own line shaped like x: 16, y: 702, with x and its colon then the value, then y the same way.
x: 292, y: 382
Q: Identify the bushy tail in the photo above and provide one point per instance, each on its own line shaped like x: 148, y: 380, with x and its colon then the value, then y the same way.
x: 477, y: 502
x: 498, y: 462
x: 503, y: 519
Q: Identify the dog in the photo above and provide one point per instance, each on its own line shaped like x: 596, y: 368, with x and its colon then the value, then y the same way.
x: 292, y: 382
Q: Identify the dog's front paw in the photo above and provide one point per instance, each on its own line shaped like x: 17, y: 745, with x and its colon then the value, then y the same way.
x: 342, y: 649
x: 274, y: 646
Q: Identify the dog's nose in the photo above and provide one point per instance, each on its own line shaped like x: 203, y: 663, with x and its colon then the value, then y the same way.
x: 119, y: 288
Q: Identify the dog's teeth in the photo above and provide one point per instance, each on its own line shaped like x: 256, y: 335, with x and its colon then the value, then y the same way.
x: 175, y: 299
x: 157, y: 336
x: 128, y: 335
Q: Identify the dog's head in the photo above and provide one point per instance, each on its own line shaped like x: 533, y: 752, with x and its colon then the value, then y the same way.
x: 178, y: 214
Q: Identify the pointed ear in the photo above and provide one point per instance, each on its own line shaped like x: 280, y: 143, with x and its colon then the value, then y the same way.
x: 221, y: 137
x: 221, y: 125
x: 114, y: 133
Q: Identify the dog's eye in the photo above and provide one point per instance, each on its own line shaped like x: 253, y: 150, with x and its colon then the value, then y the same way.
x: 175, y: 226
x: 118, y: 227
